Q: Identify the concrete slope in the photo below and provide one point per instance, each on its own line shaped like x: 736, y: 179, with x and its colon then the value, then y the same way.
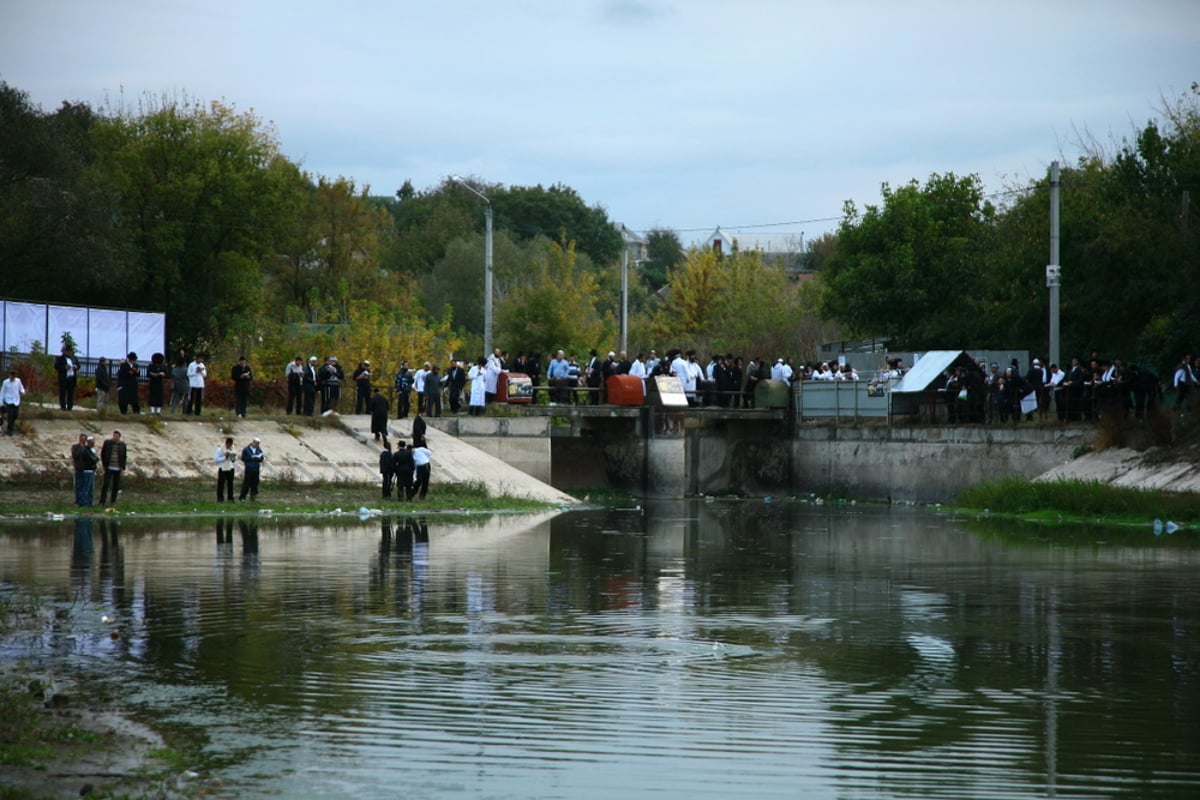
x: 1126, y: 467
x: 182, y: 448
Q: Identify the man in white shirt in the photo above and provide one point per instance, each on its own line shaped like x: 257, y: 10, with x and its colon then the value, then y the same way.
x: 10, y: 395
x: 422, y: 464
x: 196, y: 372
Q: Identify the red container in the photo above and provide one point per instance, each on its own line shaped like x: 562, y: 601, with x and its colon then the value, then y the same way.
x: 625, y: 390
x: 514, y: 387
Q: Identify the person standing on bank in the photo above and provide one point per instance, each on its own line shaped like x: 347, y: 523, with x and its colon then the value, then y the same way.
x: 10, y: 395
x: 179, y: 386
x: 224, y: 458
x: 252, y: 458
x: 67, y: 367
x: 241, y: 375
x: 478, y: 397
x: 378, y: 405
x: 103, y: 384
x: 88, y: 461
x: 433, y: 392
x: 196, y: 373
x: 77, y: 464
x: 308, y: 385
x: 422, y: 465
x: 402, y: 469
x: 362, y: 387
x: 127, y: 385
x: 294, y: 373
x: 156, y: 376
x: 385, y: 467
x: 403, y: 385
x: 112, y: 456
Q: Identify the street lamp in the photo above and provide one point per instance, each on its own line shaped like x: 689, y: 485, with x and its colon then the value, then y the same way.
x: 487, y: 264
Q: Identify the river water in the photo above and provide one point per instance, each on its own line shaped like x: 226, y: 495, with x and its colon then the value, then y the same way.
x: 686, y: 649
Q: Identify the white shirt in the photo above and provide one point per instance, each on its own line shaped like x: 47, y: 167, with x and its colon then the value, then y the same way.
x: 637, y: 369
x: 419, y: 380
x: 421, y: 456
x: 11, y: 391
x: 223, y: 462
x: 196, y: 372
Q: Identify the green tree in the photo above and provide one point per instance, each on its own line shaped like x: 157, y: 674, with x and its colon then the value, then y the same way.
x: 664, y: 252
x: 908, y: 269
x: 553, y: 306
x: 200, y: 208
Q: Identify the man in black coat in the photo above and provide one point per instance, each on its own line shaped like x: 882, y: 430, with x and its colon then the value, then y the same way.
x: 127, y: 384
x: 378, y: 406
x: 402, y: 469
x: 67, y: 367
x: 456, y: 382
x: 385, y: 467
x: 308, y: 385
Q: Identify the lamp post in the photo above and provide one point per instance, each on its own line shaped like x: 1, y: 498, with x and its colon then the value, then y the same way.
x: 487, y: 264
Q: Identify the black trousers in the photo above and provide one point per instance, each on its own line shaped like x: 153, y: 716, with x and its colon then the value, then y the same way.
x: 224, y: 485
x: 66, y: 394
x: 404, y: 481
x: 241, y: 399
x: 293, y: 400
x: 127, y: 397
x: 422, y: 484
x: 387, y: 484
x: 310, y: 400
x: 112, y: 481
x: 195, y: 401
x: 249, y: 484
x: 402, y: 400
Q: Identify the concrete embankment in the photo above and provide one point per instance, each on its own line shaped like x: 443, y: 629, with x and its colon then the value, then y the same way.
x: 179, y: 447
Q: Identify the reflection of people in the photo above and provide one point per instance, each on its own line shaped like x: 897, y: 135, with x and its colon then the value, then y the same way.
x: 421, y: 468
x: 112, y: 456
x: 224, y: 457
x: 252, y: 458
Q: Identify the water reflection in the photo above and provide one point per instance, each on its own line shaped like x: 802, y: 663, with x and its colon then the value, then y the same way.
x: 686, y: 648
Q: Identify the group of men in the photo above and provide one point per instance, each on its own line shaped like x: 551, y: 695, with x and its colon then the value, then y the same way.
x: 85, y: 461
x: 306, y: 381
x: 408, y: 468
x: 252, y: 458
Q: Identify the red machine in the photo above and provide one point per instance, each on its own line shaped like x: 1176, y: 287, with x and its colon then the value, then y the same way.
x: 625, y: 390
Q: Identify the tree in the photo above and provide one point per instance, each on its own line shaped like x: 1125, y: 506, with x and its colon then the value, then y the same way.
x: 908, y: 269
x: 199, y: 207
x: 553, y: 306
x: 664, y: 252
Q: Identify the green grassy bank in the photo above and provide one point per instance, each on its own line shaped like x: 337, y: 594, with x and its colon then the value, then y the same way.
x: 1079, y: 501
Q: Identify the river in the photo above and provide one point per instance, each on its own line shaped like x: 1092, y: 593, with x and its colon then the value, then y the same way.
x: 743, y: 649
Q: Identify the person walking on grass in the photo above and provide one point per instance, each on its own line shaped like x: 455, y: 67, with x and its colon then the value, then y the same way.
x: 252, y: 458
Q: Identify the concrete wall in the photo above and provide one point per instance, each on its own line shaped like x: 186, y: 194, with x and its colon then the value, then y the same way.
x: 930, y: 464
x: 762, y: 456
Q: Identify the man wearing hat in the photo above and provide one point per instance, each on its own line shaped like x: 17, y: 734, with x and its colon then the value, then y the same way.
x: 252, y: 458
x: 241, y: 375
x: 88, y: 461
x: 330, y: 380
x: 308, y: 384
x: 294, y: 374
x: 362, y: 387
x: 127, y: 384
x: 1037, y: 378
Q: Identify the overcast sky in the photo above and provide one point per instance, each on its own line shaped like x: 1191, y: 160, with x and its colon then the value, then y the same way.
x: 685, y: 114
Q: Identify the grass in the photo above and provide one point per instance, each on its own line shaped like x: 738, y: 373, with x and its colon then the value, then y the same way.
x: 1073, y: 500
x: 34, y: 493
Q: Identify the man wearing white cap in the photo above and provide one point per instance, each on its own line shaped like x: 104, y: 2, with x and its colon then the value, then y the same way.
x: 252, y: 458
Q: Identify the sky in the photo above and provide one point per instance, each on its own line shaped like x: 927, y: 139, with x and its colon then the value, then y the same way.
x: 756, y: 116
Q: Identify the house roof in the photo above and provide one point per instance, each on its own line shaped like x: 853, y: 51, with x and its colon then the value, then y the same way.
x: 928, y: 370
x: 778, y: 242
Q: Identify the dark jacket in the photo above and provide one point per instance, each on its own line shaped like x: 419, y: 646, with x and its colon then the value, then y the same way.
x: 402, y: 462
x: 112, y: 454
x: 88, y: 460
x: 385, y: 462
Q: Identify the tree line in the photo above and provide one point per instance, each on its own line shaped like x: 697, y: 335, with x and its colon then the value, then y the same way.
x: 187, y: 207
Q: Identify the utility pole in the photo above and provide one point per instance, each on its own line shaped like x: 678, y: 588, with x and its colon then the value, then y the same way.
x: 1054, y: 270
x: 487, y: 264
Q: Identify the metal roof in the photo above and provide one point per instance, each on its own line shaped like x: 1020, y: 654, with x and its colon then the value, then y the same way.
x: 929, y: 369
